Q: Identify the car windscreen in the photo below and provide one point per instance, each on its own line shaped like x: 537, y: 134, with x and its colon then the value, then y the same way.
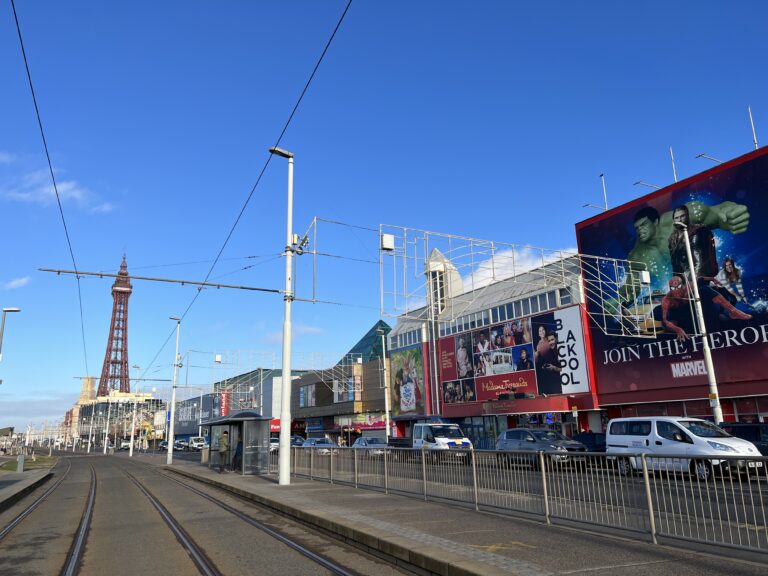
x: 703, y: 429
x: 548, y: 435
x: 376, y: 441
x: 446, y: 432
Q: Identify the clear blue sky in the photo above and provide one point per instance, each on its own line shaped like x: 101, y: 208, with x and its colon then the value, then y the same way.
x: 489, y: 119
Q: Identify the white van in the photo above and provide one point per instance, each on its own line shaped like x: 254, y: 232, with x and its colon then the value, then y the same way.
x: 676, y: 444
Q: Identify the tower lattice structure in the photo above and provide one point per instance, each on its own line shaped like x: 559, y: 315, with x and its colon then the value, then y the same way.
x: 114, y: 373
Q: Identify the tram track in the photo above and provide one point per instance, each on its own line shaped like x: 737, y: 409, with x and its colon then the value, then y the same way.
x: 331, y: 566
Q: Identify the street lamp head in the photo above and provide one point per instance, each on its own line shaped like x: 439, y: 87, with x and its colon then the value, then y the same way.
x: 280, y: 152
x: 11, y: 309
x: 174, y: 318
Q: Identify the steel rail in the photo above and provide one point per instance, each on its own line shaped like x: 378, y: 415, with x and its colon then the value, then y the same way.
x: 328, y: 564
x: 201, y: 560
x: 76, y: 552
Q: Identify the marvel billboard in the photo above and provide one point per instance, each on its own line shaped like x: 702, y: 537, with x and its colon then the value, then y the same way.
x: 722, y: 212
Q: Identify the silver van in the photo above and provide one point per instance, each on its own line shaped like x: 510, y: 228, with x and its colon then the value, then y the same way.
x: 676, y: 444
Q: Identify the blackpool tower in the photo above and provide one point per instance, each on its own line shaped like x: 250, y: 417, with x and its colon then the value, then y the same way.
x: 114, y: 373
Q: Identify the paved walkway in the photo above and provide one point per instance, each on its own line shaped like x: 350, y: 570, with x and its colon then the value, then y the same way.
x: 15, y: 485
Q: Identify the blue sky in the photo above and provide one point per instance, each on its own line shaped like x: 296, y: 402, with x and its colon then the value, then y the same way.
x: 488, y: 119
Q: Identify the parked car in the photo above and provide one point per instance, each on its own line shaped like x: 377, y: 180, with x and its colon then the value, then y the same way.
x: 530, y: 441
x: 125, y: 444
x: 163, y: 446
x: 274, y: 444
x: 297, y: 440
x: 594, y: 441
x: 181, y: 445
x: 198, y: 443
x: 757, y: 433
x: 373, y: 446
x: 683, y: 444
x: 322, y: 446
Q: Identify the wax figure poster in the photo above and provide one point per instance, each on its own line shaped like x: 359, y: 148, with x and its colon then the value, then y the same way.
x: 407, y: 369
x: 723, y: 212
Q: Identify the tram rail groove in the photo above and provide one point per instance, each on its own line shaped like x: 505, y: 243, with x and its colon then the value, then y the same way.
x: 306, y: 552
x: 319, y: 559
x: 75, y: 556
x: 201, y: 560
x: 31, y: 508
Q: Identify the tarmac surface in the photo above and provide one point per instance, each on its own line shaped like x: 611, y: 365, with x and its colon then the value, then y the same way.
x: 440, y: 538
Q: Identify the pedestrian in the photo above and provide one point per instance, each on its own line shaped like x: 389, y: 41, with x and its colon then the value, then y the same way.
x: 223, y: 449
x: 237, y: 458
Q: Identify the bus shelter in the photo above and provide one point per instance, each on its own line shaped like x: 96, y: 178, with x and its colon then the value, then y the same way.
x: 248, y: 433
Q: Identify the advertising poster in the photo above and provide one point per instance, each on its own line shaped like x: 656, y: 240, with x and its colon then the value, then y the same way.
x: 505, y: 359
x: 559, y: 357
x: 723, y: 212
x: 407, y: 381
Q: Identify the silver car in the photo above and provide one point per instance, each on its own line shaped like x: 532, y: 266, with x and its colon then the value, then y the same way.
x: 322, y: 446
x: 529, y: 441
x: 374, y: 446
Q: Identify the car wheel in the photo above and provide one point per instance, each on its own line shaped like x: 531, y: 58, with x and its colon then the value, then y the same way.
x: 702, y: 469
x: 624, y: 466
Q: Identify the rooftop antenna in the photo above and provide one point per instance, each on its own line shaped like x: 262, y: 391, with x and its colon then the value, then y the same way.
x: 605, y: 197
x: 752, y: 122
x: 674, y: 170
x: 708, y: 157
x: 644, y: 183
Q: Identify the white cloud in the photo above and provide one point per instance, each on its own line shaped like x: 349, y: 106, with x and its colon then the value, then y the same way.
x: 17, y: 283
x: 6, y: 158
x: 511, y: 262
x: 37, y: 188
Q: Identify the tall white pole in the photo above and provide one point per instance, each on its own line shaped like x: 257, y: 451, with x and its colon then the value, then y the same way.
x: 752, y: 123
x: 714, y: 398
x: 169, y: 457
x: 386, y: 384
x: 674, y: 169
x: 605, y: 194
x: 133, y: 420
x: 2, y: 328
x: 90, y: 432
x: 106, y: 427
x: 200, y: 415
x: 284, y: 454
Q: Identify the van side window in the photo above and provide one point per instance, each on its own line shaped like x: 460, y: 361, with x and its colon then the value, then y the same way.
x: 671, y: 432
x: 631, y: 428
x: 417, y: 432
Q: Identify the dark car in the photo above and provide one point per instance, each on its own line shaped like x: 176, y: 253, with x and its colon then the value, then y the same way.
x: 594, y: 441
x: 756, y: 433
x: 297, y: 441
x: 528, y: 442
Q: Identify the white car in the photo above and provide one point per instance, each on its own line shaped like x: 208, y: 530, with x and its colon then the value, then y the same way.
x: 198, y: 443
x: 274, y: 444
x: 125, y: 445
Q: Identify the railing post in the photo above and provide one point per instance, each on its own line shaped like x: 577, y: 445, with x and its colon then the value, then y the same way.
x: 386, y: 472
x: 474, y: 476
x: 330, y: 466
x: 649, y: 499
x: 354, y: 455
x: 311, y: 463
x: 543, y: 468
x: 424, y: 470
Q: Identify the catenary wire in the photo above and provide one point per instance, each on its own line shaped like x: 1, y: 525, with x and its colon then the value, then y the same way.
x: 53, y: 179
x: 262, y: 172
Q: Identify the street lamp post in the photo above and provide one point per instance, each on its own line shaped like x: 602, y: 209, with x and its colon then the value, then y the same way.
x: 714, y: 397
x: 284, y: 453
x: 2, y: 327
x: 169, y: 457
x: 106, y: 426
x: 386, y: 381
x: 133, y: 420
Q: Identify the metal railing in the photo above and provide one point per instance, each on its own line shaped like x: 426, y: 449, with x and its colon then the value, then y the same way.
x: 721, y: 502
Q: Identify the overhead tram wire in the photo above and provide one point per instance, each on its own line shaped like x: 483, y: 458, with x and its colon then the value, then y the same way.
x: 264, y: 169
x: 53, y: 179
